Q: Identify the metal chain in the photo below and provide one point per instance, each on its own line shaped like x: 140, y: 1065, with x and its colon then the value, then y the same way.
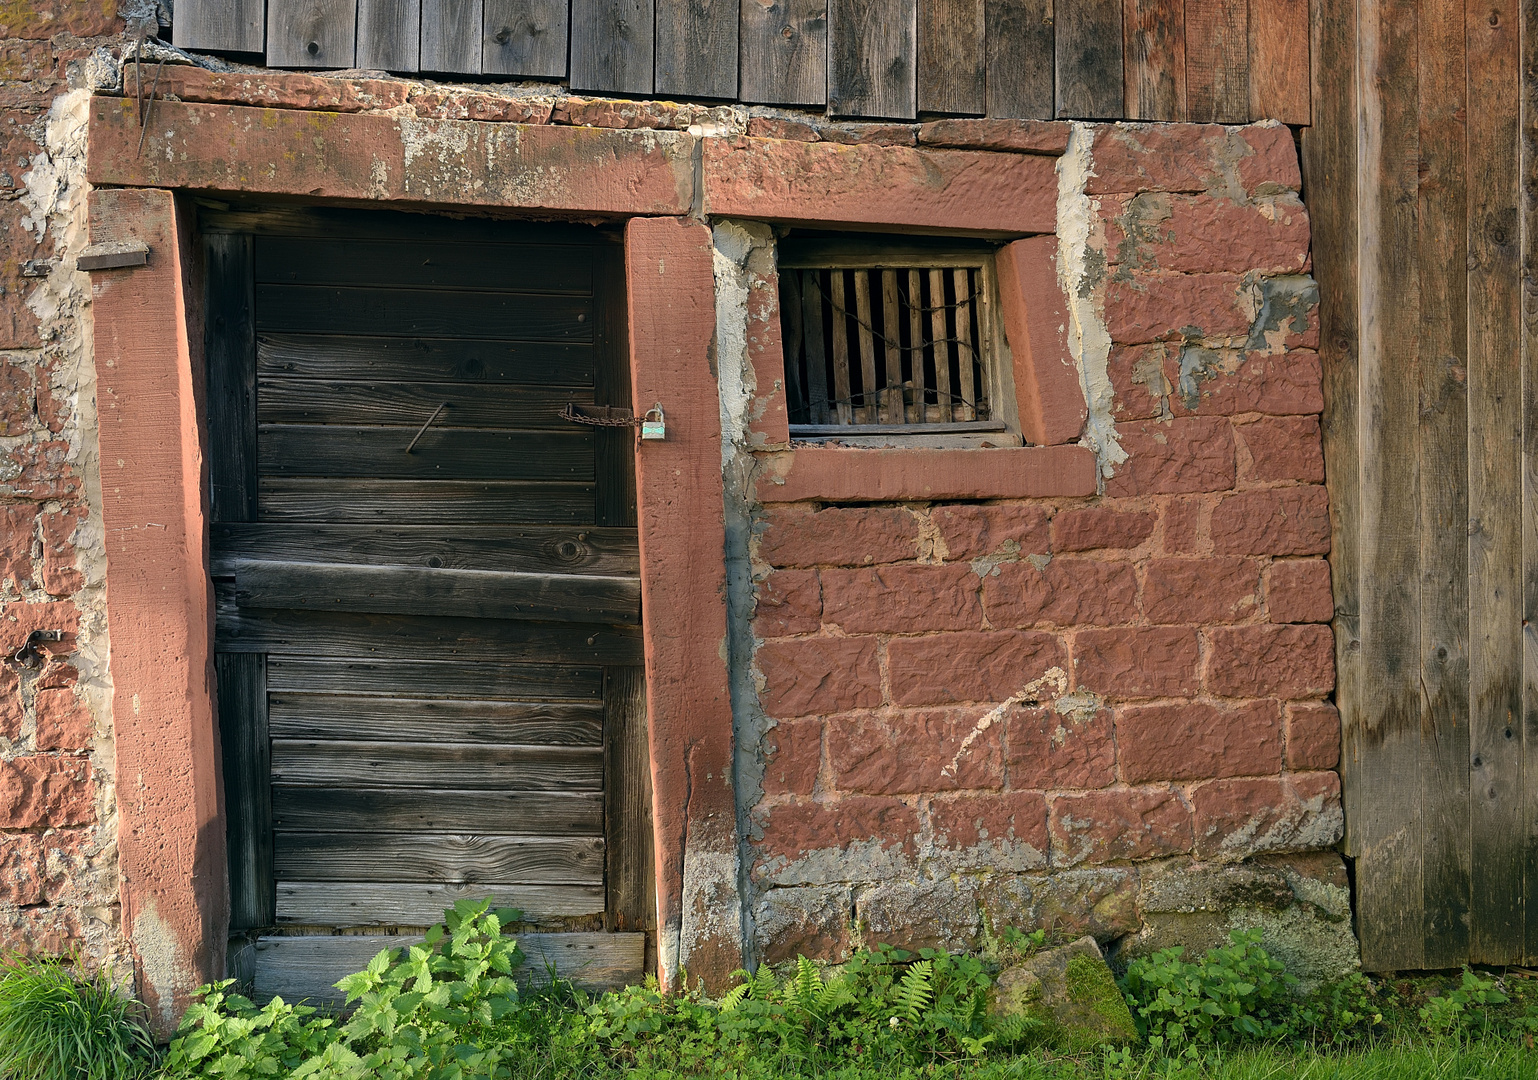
x: 570, y: 414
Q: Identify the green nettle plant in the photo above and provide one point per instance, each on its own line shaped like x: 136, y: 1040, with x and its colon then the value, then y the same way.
x: 1236, y: 991
x: 59, y: 1022
x: 1464, y: 1007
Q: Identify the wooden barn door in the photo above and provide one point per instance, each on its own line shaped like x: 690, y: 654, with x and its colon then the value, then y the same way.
x: 428, y: 647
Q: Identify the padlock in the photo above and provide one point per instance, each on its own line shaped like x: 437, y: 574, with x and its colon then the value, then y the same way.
x: 654, y: 429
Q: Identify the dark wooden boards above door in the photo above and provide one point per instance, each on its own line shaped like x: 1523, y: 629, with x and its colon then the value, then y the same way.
x: 893, y: 59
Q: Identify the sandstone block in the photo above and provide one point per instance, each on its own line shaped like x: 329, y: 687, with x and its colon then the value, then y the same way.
x: 969, y: 531
x: 17, y: 399
x: 1018, y: 136
x: 20, y: 619
x: 1149, y: 306
x: 1139, y: 380
x: 792, y: 757
x: 1223, y: 382
x: 906, y: 598
x: 817, y: 676
x: 1101, y: 901
x: 18, y: 531
x: 942, y: 669
x: 776, y: 127
x: 1207, y: 233
x: 862, y: 134
x: 1313, y: 736
x: 922, y: 751
x: 41, y: 19
x: 59, y: 575
x: 1188, y: 526
x: 11, y: 712
x: 1155, y: 157
x: 1198, y: 741
x: 1007, y: 830
x: 806, y: 920
x: 1174, y: 457
x: 63, y: 721
x: 796, y: 536
x: 1052, y: 750
x: 1279, y: 521
x: 1201, y: 590
x: 1238, y: 818
x: 794, y: 830
x: 46, y: 791
x: 1271, y: 660
x: 611, y: 113
x: 23, y: 870
x: 1157, y: 661
x: 1065, y: 592
x: 1298, y: 591
x: 38, y: 471
x: 1091, y: 527
x: 1266, y: 158
x: 450, y: 103
x: 789, y: 602
x: 920, y: 913
x: 1284, y: 448
x: 1118, y: 824
x: 286, y: 90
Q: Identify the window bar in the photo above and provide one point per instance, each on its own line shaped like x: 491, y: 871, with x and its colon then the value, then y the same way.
x: 816, y: 357
x: 964, y: 344
x: 842, y: 395
x: 790, y: 301
x: 869, y: 412
x: 919, y: 411
x: 941, y: 349
x: 892, y: 400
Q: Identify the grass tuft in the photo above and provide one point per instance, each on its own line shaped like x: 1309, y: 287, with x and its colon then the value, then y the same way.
x: 59, y: 1023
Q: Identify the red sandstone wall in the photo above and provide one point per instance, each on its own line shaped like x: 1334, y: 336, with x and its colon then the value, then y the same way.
x: 1018, y: 708
x: 58, y: 884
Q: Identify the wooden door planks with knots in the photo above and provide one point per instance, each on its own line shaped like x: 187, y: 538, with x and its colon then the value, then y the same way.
x: 427, y: 583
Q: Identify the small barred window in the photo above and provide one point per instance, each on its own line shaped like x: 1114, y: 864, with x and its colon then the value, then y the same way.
x: 891, y: 343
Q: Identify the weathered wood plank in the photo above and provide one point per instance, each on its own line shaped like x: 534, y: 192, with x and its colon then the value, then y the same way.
x: 1444, y: 456
x: 243, y: 738
x: 1500, y: 849
x: 1279, y: 61
x: 953, y: 63
x: 783, y: 52
x: 439, y: 857
x: 1529, y: 353
x: 478, y: 766
x: 407, y: 590
x: 1217, y: 61
x: 451, y: 36
x: 628, y: 802
x: 1089, y: 58
x: 422, y: 502
x: 303, y: 968
x: 323, y: 356
x: 550, y: 549
x: 441, y: 453
x: 220, y: 25
x: 613, y: 447
x: 525, y: 37
x: 1154, y: 47
x: 408, y: 637
x: 389, y: 34
x: 511, y: 813
x: 420, y: 264
x: 333, y: 903
x: 230, y: 346
x: 480, y: 681
x: 613, y: 45
x: 1020, y: 44
x: 327, y: 309
x: 697, y: 48
x: 1330, y: 170
x: 1388, y: 715
x: 871, y: 55
x: 816, y: 353
x: 472, y: 405
x: 311, y: 33
x: 348, y: 716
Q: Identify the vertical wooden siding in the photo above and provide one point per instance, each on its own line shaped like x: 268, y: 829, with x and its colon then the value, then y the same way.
x: 1415, y: 171
x: 1230, y: 61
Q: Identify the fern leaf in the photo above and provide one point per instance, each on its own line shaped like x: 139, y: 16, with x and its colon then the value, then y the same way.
x: 735, y: 996
x: 915, y: 991
x: 807, y: 985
